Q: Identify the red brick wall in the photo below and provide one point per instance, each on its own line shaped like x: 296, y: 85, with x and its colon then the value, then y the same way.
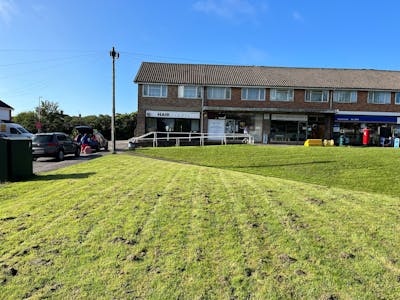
x: 171, y: 102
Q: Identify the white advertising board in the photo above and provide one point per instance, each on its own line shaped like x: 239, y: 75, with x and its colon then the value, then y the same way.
x: 216, y: 129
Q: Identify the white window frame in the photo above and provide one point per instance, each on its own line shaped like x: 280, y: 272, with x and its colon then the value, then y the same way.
x: 148, y: 90
x: 211, y: 95
x: 289, y: 95
x: 397, y: 98
x: 345, y: 96
x: 259, y: 91
x: 324, y: 94
x: 182, y: 89
x: 373, y: 99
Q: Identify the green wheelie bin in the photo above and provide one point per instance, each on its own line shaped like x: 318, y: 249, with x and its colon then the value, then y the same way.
x: 20, y: 165
x: 3, y: 160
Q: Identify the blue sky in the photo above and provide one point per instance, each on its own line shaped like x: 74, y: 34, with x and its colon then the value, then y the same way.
x: 59, y: 50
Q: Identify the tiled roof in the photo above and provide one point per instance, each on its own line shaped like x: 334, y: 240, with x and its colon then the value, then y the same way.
x: 2, y: 104
x: 230, y: 75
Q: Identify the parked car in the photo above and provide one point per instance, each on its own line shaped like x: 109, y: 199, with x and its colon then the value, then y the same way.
x: 101, y: 140
x: 14, y: 130
x: 54, y: 144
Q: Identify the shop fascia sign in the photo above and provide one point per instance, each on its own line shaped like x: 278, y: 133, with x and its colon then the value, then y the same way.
x: 289, y: 117
x: 172, y: 114
x: 371, y: 119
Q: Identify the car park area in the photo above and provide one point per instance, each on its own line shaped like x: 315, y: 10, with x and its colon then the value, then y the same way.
x: 45, y: 164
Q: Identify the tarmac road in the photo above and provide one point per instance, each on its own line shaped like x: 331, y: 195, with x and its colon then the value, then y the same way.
x: 44, y: 164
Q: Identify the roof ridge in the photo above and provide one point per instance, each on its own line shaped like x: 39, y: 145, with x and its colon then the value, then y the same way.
x: 241, y: 75
x: 270, y: 67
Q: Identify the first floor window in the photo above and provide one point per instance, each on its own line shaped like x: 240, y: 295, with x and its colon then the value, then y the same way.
x: 379, y: 97
x: 345, y: 96
x: 397, y: 99
x: 256, y: 94
x: 188, y: 91
x: 155, y: 90
x: 281, y: 95
x: 316, y: 96
x: 218, y: 93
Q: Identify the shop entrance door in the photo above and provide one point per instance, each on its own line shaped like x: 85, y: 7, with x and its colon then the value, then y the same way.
x: 301, y: 131
x: 182, y: 125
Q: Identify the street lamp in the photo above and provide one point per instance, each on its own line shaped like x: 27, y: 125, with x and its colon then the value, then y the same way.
x: 115, y: 55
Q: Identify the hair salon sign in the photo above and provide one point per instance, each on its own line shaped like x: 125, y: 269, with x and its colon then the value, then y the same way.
x: 172, y: 114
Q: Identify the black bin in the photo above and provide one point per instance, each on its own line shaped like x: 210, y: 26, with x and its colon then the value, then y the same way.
x: 20, y: 165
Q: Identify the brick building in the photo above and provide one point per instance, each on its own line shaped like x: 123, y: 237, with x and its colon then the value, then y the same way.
x: 274, y: 104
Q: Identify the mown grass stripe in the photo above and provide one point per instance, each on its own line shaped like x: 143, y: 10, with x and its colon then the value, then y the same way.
x: 204, y: 233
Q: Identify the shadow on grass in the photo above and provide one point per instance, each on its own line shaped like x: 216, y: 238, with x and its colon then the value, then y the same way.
x: 280, y: 165
x: 62, y: 176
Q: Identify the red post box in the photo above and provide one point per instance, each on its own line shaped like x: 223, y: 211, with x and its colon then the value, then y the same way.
x: 366, y: 136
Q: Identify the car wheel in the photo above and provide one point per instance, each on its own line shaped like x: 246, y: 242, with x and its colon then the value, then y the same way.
x: 106, y: 147
x: 77, y: 152
x: 60, y: 155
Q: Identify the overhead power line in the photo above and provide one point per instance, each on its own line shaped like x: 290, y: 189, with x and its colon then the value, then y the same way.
x: 46, y: 60
x: 92, y: 51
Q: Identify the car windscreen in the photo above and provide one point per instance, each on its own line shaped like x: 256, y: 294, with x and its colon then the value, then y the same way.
x: 22, y: 129
x: 39, y: 139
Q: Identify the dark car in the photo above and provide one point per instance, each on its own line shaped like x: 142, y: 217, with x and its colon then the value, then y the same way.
x: 100, y: 142
x: 55, y: 144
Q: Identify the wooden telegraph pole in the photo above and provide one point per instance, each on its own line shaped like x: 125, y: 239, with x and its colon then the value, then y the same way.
x: 114, y: 55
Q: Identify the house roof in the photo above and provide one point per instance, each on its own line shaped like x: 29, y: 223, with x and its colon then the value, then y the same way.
x: 232, y: 75
x: 4, y: 105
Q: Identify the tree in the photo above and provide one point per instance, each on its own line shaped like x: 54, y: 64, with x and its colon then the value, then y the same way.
x: 125, y: 125
x: 51, y: 117
x: 27, y: 119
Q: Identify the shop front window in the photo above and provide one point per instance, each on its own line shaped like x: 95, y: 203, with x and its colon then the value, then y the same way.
x: 172, y: 125
x: 288, y: 131
x: 240, y: 123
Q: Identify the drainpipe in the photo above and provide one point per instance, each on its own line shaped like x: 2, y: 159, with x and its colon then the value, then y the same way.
x: 330, y: 116
x: 202, y: 110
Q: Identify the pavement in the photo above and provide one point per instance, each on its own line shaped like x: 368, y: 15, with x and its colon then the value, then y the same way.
x: 45, y: 164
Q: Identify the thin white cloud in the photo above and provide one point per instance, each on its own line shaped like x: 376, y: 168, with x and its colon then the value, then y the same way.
x: 253, y: 56
x: 297, y: 16
x: 228, y: 8
x: 7, y: 10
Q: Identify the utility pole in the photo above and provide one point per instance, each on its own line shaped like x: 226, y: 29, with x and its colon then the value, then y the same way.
x: 39, y: 125
x: 114, y: 55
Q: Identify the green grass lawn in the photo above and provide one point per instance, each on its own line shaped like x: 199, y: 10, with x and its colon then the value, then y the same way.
x: 124, y: 226
x: 375, y: 170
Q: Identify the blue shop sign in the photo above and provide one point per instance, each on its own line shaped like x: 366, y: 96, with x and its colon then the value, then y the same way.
x: 365, y: 119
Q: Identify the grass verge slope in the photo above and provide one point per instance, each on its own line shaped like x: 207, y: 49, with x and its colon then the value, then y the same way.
x: 125, y: 227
